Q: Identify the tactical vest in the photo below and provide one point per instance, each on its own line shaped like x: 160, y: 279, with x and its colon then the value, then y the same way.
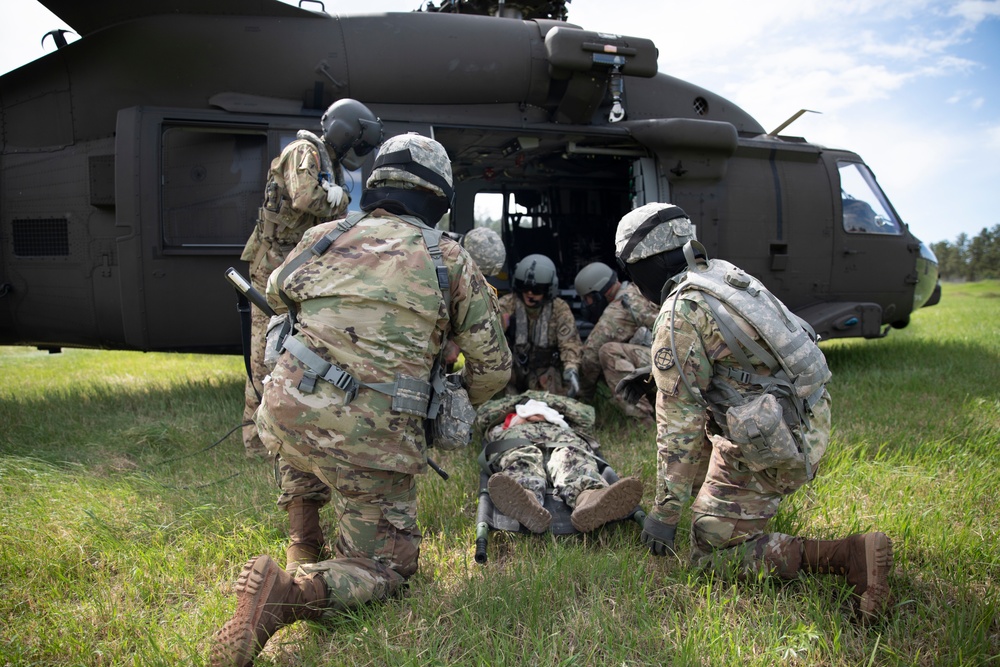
x: 272, y: 214
x: 416, y: 396
x: 531, y: 352
x: 787, y: 346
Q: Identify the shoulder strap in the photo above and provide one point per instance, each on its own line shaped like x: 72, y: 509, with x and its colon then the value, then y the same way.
x: 316, y: 250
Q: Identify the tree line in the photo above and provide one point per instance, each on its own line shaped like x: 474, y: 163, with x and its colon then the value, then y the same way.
x: 977, y: 258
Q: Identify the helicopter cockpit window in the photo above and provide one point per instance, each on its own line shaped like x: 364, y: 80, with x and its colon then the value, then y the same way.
x: 211, y: 186
x: 866, y: 210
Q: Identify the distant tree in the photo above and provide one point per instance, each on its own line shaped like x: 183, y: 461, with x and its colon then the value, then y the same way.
x: 984, y: 255
x: 970, y: 259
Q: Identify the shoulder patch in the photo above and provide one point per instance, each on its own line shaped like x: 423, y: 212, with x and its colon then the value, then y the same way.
x: 663, y: 358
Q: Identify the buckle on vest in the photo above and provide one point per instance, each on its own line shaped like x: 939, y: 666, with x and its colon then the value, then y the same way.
x: 739, y: 375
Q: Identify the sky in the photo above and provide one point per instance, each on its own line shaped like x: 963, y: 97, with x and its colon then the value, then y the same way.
x: 912, y: 86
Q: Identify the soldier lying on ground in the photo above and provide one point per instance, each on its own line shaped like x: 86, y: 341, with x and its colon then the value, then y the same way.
x: 538, y: 439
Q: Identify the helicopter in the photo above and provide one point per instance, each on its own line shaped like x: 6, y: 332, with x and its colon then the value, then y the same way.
x: 133, y: 161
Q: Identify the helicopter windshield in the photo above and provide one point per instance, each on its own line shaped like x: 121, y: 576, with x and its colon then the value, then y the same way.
x: 866, y: 210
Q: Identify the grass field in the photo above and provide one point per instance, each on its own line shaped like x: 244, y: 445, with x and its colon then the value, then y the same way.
x: 127, y: 515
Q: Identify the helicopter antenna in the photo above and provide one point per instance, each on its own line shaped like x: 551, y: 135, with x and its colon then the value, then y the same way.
x: 788, y: 122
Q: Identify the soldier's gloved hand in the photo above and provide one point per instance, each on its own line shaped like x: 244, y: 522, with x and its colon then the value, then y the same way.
x: 334, y: 193
x: 658, y: 536
x: 572, y: 379
x: 637, y: 384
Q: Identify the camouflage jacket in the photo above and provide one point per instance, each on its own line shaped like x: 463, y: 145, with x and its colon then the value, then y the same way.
x: 371, y: 305
x: 579, y: 416
x: 294, y: 201
x: 683, y: 421
x: 629, y: 311
x: 561, y: 334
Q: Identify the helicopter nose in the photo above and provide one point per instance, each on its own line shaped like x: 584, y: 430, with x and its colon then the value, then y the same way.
x: 928, y: 289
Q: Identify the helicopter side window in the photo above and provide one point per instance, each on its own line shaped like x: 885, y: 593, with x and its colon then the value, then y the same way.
x: 865, y: 208
x: 210, y: 186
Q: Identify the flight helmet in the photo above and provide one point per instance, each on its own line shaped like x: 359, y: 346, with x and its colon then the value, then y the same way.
x: 351, y: 130
x: 536, y: 274
x: 649, y: 246
x: 594, y: 283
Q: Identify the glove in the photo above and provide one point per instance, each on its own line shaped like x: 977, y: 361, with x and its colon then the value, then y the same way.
x: 334, y: 193
x: 658, y: 536
x: 572, y: 379
x: 637, y: 384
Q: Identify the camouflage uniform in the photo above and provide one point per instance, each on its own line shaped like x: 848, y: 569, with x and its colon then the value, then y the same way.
x: 545, y: 342
x: 294, y: 201
x: 609, y: 347
x: 563, y: 455
x: 734, y: 503
x: 371, y: 304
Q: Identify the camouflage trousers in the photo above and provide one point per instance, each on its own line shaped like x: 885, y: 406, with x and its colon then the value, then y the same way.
x: 732, y: 508
x: 571, y: 470
x: 617, y: 361
x: 258, y: 330
x: 378, y: 541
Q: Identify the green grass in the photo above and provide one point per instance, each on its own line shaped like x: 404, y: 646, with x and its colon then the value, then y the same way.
x: 124, y: 526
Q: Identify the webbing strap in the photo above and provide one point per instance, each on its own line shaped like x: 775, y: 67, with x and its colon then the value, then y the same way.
x: 409, y: 394
x: 316, y: 250
x: 732, y: 332
x: 319, y: 368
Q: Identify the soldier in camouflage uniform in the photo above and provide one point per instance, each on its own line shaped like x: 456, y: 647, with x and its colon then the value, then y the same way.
x: 485, y: 247
x: 619, y: 342
x: 550, y: 440
x: 694, y: 365
x: 372, y: 315
x: 304, y: 188
x: 541, y: 331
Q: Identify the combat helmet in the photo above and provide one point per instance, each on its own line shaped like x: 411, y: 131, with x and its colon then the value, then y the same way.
x: 486, y: 247
x: 536, y: 274
x: 594, y: 283
x: 411, y: 176
x: 351, y: 130
x: 649, y: 246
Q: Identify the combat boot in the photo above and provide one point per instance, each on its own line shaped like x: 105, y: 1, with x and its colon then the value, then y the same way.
x: 596, y: 507
x: 305, y: 534
x: 864, y: 559
x: 267, y: 599
x: 518, y: 503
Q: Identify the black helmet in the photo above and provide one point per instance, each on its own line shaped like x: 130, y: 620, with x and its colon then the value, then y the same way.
x: 536, y: 274
x: 351, y: 130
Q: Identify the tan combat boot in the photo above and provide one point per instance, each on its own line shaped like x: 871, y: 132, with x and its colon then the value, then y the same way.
x: 596, y: 507
x: 865, y: 560
x: 518, y: 503
x: 305, y: 533
x: 267, y: 599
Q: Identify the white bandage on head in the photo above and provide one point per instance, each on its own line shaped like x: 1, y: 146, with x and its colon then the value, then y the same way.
x: 540, y: 408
